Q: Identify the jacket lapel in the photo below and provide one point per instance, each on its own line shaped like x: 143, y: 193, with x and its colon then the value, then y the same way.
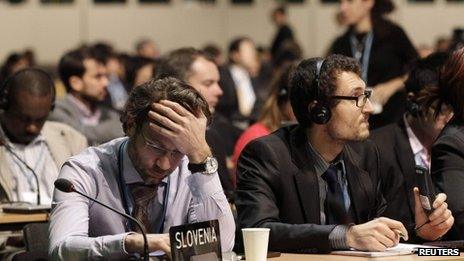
x: 405, y: 157
x: 306, y: 179
x: 359, y: 187
x: 59, y: 150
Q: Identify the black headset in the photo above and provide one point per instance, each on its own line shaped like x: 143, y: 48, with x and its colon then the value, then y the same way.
x: 5, y: 88
x: 318, y: 111
x: 413, y: 107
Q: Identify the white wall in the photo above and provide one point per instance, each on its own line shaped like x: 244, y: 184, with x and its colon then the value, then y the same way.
x: 52, y: 29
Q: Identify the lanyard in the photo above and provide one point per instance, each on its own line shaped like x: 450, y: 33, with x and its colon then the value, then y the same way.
x: 366, y: 53
x: 126, y: 195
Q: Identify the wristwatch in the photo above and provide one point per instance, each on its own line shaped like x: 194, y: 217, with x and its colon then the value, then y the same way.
x: 208, y: 167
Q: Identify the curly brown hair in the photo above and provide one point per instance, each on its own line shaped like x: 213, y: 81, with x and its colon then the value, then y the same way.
x: 142, y: 97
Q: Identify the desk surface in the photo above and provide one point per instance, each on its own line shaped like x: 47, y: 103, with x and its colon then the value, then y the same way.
x: 298, y: 257
x: 10, y: 218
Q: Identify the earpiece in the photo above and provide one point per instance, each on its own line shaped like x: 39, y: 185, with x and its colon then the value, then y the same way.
x: 318, y: 112
x: 413, y: 108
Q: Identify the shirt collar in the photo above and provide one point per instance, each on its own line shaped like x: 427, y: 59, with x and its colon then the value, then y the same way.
x: 40, y: 138
x: 320, y: 165
x: 416, y: 145
x: 83, y: 108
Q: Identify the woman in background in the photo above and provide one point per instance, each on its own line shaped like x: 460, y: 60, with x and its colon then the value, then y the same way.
x: 384, y: 51
x: 275, y: 112
x: 448, y: 150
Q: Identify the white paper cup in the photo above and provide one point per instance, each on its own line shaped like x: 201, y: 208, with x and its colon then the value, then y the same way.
x: 255, y: 241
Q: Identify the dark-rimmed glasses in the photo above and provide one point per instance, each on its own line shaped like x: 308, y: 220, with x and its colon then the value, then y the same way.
x: 158, y: 151
x: 361, y: 100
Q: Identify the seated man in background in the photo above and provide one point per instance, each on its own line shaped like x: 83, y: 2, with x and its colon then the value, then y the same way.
x: 30, y: 145
x: 195, y: 68
x: 85, y: 80
x: 407, y: 143
x: 163, y: 174
x: 313, y: 190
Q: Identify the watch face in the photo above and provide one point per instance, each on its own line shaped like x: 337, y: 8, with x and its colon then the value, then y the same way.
x: 211, y: 165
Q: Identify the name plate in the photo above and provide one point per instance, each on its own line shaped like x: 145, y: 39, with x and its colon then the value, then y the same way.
x: 196, y: 241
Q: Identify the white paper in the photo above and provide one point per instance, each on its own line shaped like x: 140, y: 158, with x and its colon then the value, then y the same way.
x: 400, y: 249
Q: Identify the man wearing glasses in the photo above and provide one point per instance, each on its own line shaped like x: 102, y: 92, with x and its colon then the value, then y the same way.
x: 162, y: 174
x: 306, y: 182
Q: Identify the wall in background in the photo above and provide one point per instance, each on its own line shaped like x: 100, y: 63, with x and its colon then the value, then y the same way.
x: 52, y: 29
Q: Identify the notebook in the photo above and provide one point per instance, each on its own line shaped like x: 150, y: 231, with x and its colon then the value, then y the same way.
x: 399, y: 250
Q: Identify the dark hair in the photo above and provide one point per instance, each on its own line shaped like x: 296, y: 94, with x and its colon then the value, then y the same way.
x: 280, y: 9
x: 381, y: 8
x: 132, y: 65
x: 103, y: 51
x: 272, y: 111
x: 142, y: 97
x: 177, y: 64
x: 32, y: 80
x: 425, y: 73
x: 10, y: 62
x: 450, y: 89
x: 211, y: 51
x: 234, y: 46
x: 72, y: 64
x: 303, y: 85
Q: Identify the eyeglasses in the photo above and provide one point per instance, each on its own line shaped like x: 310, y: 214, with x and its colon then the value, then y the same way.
x: 361, y: 100
x: 158, y: 151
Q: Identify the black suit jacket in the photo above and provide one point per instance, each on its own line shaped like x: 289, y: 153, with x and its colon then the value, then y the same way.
x: 398, y: 172
x: 278, y: 189
x: 448, y: 172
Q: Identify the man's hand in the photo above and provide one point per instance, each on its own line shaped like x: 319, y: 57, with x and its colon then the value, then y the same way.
x: 375, y: 235
x: 437, y: 223
x: 133, y: 243
x: 182, y: 128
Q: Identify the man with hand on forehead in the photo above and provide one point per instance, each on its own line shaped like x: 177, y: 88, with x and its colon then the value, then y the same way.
x: 162, y: 174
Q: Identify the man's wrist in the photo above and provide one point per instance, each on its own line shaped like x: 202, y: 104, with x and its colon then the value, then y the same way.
x: 131, y: 244
x: 199, y: 155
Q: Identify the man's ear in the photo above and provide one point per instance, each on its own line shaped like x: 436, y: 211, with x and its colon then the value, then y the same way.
x: 77, y: 84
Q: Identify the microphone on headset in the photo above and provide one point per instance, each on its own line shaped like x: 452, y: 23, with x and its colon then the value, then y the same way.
x: 36, y: 177
x: 66, y: 186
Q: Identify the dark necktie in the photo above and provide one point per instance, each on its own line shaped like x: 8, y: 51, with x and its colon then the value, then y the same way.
x: 335, y: 212
x: 142, y: 195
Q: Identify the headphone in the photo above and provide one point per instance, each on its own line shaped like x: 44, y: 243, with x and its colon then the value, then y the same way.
x: 413, y: 107
x: 318, y: 112
x: 5, y: 88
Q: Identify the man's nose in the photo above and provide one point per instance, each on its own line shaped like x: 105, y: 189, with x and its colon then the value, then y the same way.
x: 33, y: 128
x: 368, y: 107
x: 164, y: 162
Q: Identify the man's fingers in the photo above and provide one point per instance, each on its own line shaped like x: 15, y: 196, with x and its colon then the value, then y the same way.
x: 440, y: 199
x: 161, y: 130
x: 384, y: 240
x: 168, y: 112
x: 164, y: 121
x: 442, y: 218
x: 395, y: 225
x: 437, y: 213
x: 175, y: 107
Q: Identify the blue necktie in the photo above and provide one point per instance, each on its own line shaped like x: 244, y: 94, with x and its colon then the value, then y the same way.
x: 334, y: 204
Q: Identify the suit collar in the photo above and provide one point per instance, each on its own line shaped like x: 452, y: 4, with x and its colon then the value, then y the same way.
x: 306, y: 179
x: 405, y: 157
